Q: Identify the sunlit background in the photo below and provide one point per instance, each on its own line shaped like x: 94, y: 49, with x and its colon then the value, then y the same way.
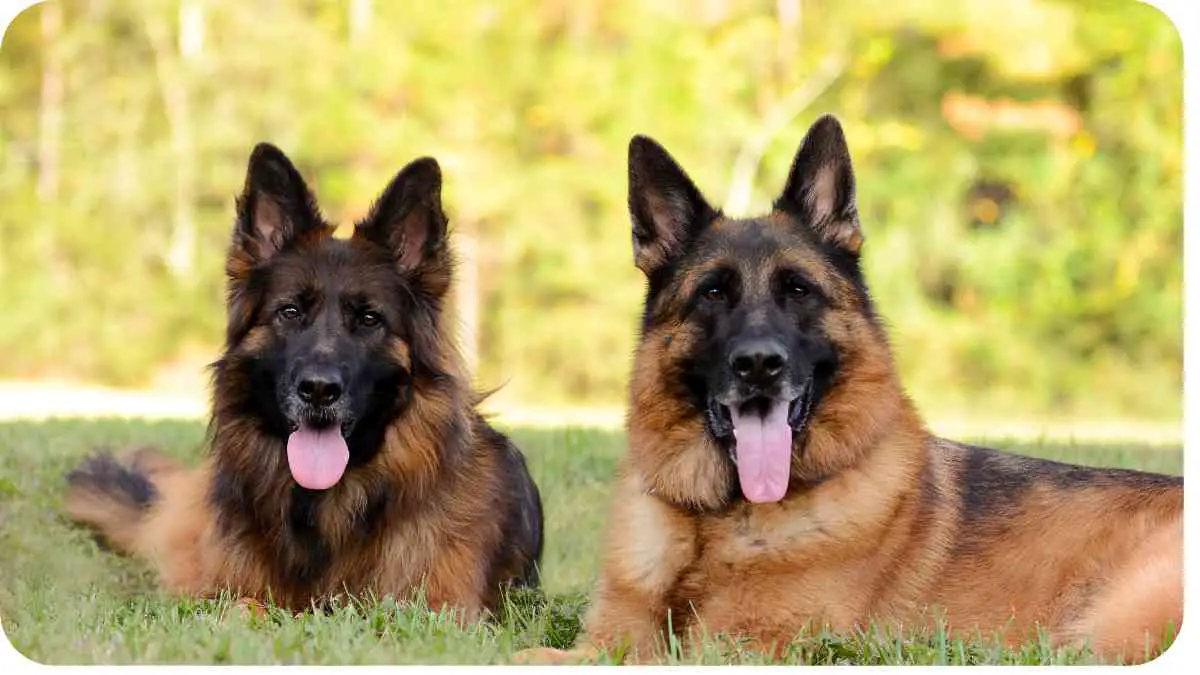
x: 1019, y: 167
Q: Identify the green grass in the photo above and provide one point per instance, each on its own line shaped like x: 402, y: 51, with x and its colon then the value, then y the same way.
x: 63, y: 600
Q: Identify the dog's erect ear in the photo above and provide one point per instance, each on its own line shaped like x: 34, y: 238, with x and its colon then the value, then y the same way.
x: 408, y: 221
x: 275, y: 207
x: 665, y: 206
x: 820, y: 186
x: 274, y: 210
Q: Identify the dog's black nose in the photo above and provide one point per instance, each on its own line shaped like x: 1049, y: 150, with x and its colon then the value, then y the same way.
x: 320, y: 388
x: 759, y: 362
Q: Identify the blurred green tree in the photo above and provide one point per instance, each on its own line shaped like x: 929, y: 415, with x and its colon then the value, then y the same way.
x: 1019, y: 167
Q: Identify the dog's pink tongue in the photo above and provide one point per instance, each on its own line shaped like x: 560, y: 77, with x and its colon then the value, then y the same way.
x: 317, y: 457
x: 764, y: 452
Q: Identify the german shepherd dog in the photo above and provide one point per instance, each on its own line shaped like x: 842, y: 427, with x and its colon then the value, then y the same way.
x: 779, y: 479
x: 346, y: 454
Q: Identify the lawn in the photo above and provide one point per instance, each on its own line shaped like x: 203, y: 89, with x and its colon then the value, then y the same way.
x: 63, y: 600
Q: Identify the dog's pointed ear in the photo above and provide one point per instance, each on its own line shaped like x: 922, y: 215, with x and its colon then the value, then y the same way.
x: 408, y: 221
x: 664, y: 204
x: 820, y: 188
x: 274, y: 210
x: 275, y: 207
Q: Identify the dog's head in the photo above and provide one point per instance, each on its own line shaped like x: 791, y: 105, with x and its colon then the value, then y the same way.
x: 751, y: 322
x: 327, y: 337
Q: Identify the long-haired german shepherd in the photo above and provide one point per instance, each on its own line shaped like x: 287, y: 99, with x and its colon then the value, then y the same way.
x: 346, y: 452
x: 778, y: 477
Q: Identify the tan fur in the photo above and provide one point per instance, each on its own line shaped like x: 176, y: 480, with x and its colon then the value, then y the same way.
x: 876, y: 525
x: 118, y: 522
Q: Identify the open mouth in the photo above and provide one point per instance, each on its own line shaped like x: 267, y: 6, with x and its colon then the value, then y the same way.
x: 317, y: 452
x: 762, y: 430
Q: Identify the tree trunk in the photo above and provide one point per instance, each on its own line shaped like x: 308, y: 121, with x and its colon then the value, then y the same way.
x: 173, y: 83
x: 789, y: 27
x: 360, y: 20
x: 191, y: 30
x: 468, y: 299
x: 51, y: 110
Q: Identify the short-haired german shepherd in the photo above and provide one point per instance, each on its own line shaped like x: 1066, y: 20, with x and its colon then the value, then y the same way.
x: 778, y: 478
x: 346, y: 452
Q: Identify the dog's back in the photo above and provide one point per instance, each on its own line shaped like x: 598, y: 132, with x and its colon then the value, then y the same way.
x: 517, y: 562
x: 1083, y: 552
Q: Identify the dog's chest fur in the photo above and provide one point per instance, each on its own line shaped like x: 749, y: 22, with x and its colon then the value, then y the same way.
x: 326, y: 544
x: 770, y: 567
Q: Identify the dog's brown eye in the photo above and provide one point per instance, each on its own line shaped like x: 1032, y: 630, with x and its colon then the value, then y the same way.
x: 714, y: 294
x: 369, y: 319
x: 796, y: 286
x: 289, y: 312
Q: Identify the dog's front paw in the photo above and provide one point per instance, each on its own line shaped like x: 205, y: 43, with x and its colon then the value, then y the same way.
x: 548, y: 656
x: 539, y: 656
x: 245, y: 609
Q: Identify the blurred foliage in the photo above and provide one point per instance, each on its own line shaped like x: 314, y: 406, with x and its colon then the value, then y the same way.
x: 1019, y: 168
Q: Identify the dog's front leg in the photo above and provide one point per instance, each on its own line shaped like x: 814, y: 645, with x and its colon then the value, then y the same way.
x: 649, y: 543
x: 456, y: 582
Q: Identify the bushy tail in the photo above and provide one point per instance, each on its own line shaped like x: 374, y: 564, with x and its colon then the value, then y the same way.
x: 112, y: 495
